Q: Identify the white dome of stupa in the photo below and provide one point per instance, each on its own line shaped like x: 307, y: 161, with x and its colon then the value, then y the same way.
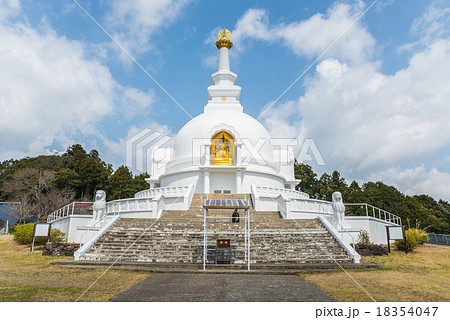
x: 244, y: 128
x: 223, y: 149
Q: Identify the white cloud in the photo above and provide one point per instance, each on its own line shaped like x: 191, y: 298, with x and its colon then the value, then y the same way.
x: 366, y: 119
x: 136, y: 101
x: 253, y: 24
x: 51, y: 92
x: 433, y: 23
x: 279, y: 123
x: 369, y: 125
x: 210, y: 61
x: 9, y: 8
x: 134, y: 22
x: 417, y: 180
x: 311, y: 37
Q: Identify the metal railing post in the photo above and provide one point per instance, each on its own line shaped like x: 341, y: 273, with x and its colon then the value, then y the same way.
x: 248, y: 245
x: 245, y: 235
x: 205, y: 237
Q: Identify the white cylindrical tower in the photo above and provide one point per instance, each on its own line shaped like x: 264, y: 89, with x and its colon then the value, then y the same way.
x: 224, y: 45
x: 224, y: 59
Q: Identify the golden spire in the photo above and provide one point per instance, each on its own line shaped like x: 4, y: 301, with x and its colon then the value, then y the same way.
x: 224, y: 37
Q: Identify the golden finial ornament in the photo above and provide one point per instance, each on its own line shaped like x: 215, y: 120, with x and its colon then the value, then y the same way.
x: 224, y: 37
x: 224, y: 33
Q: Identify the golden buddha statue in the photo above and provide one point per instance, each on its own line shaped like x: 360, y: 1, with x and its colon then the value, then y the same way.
x: 222, y: 150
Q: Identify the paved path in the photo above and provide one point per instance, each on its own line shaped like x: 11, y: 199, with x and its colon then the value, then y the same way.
x: 222, y: 287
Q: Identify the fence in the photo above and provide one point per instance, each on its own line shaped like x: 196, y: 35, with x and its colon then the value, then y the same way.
x: 439, y: 238
x: 77, y: 208
x: 364, y: 209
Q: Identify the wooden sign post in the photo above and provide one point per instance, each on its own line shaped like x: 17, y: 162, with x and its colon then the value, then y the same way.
x: 396, y: 233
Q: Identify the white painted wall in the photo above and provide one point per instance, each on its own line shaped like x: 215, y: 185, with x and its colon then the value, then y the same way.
x: 70, y: 225
x: 260, y: 179
x: 375, y: 227
x: 222, y: 181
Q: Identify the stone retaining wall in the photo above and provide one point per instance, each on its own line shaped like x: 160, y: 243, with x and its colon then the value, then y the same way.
x: 60, y: 249
x: 370, y: 249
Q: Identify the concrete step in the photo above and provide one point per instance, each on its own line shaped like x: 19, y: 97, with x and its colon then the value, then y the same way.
x: 177, y: 237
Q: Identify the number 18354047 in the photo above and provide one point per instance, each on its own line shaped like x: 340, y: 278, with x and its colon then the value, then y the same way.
x: 406, y: 311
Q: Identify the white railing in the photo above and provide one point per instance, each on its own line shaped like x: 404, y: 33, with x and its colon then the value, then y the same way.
x: 128, y: 205
x: 97, y: 225
x: 165, y: 191
x: 339, y: 227
x: 378, y: 213
x: 274, y: 192
x: 85, y: 247
x: 68, y: 210
x: 311, y: 205
x: 356, y: 257
x: 190, y: 194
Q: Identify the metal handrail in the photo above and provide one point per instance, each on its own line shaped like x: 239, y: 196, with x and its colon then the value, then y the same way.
x: 382, y: 214
x: 348, y: 248
x: 86, y: 246
x: 93, y: 226
x: 64, y: 211
x: 342, y: 228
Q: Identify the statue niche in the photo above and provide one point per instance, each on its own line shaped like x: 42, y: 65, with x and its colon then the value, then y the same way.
x: 222, y: 149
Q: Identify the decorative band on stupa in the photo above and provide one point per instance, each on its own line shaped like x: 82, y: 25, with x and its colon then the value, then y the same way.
x: 224, y: 37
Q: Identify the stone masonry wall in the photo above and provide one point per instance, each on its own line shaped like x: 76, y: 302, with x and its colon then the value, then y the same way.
x: 370, y: 249
x: 60, y: 249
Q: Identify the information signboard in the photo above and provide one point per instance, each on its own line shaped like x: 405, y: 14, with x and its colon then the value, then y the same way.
x: 395, y: 233
x: 40, y: 230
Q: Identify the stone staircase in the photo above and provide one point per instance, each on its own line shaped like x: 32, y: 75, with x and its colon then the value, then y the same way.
x: 177, y: 237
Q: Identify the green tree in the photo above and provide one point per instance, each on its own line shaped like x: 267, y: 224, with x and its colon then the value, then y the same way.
x: 121, y: 184
x: 339, y: 184
x: 308, y: 179
x: 354, y: 193
x: 93, y: 175
x: 139, y: 182
x: 67, y: 178
x: 325, y: 187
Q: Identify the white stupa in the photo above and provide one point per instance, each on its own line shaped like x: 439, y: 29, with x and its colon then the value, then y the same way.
x: 224, y: 150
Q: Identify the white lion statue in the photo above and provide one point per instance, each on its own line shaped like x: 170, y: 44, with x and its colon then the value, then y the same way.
x: 99, y: 205
x: 338, y: 206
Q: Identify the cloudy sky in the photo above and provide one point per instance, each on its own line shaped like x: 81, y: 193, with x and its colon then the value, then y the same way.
x: 376, y: 103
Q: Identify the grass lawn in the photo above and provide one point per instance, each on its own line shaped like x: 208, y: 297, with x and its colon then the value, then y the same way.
x: 26, y: 276
x: 423, y: 275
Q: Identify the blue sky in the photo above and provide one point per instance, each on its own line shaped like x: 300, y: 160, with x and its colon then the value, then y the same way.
x: 376, y: 104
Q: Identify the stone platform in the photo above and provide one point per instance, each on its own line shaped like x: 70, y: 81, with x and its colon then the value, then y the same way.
x: 268, y: 269
x: 178, y: 236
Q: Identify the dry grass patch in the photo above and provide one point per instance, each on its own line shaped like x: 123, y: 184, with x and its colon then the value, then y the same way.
x: 26, y: 276
x: 423, y: 275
